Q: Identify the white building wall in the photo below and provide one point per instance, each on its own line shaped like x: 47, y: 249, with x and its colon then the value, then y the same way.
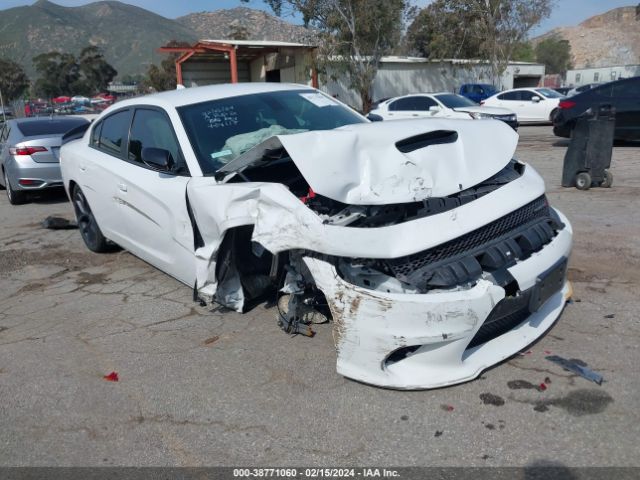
x: 405, y: 76
x: 582, y: 76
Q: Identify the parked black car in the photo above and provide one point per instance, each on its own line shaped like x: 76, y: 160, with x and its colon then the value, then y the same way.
x: 562, y: 90
x: 622, y: 95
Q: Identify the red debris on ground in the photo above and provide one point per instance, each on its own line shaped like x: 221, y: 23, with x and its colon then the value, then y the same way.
x: 447, y: 408
x: 542, y: 387
x: 112, y: 377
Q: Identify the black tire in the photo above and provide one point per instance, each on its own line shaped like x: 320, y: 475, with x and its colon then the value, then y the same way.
x: 553, y: 114
x: 583, y: 181
x: 87, y: 224
x: 608, y: 179
x: 16, y: 197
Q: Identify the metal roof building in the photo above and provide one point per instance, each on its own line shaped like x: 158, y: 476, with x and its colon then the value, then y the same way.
x: 210, y: 62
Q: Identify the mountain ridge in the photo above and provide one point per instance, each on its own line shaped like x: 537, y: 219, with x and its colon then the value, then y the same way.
x: 608, y: 39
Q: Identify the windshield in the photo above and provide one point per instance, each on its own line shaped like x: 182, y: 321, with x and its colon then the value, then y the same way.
x: 222, y: 130
x: 451, y: 100
x: 547, y: 92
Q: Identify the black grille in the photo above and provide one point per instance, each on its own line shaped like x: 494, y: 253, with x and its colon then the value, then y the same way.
x: 404, y: 267
x: 506, y: 315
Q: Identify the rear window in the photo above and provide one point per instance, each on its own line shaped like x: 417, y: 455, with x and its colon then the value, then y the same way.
x: 55, y: 126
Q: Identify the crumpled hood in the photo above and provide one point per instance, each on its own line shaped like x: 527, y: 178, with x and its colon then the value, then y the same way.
x: 361, y: 164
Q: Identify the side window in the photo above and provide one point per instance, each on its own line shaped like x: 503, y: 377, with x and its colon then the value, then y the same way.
x: 626, y: 89
x: 402, y: 104
x: 596, y: 76
x: 526, y: 95
x: 578, y: 77
x: 113, y: 133
x: 478, y: 89
x: 95, y: 135
x: 423, y: 103
x: 463, y: 89
x: 151, y: 128
x: 510, y: 96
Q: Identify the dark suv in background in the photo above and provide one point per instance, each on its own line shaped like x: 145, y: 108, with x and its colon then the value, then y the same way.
x: 623, y: 95
x: 477, y: 92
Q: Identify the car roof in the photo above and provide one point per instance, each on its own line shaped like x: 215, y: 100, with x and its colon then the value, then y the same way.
x: 188, y: 96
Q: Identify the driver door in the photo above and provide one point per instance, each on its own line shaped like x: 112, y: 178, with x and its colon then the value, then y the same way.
x: 154, y: 202
x: 535, y: 111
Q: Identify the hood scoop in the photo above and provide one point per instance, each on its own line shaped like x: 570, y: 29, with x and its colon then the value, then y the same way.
x: 423, y: 140
x: 398, y: 161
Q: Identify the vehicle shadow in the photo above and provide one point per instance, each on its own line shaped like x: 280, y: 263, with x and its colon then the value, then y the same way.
x: 49, y: 197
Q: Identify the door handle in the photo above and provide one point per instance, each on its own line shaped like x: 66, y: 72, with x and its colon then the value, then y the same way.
x: 82, y: 168
x: 122, y: 187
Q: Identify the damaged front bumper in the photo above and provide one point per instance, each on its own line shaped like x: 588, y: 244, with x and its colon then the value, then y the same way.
x: 415, y: 341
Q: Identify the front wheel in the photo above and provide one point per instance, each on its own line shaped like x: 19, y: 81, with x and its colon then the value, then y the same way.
x: 87, y: 224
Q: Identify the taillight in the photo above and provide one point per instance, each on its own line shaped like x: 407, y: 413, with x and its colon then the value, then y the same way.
x: 26, y: 150
x: 566, y: 104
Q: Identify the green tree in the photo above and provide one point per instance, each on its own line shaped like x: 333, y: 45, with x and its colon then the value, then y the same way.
x: 488, y: 29
x: 555, y: 53
x: 354, y: 35
x: 95, y: 72
x: 58, y: 73
x: 64, y: 74
x: 524, y: 52
x: 440, y: 31
x: 13, y: 80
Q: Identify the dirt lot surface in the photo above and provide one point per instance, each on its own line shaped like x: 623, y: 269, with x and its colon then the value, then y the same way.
x: 203, y: 387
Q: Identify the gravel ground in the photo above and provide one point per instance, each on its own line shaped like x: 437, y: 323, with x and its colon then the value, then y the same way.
x: 207, y: 387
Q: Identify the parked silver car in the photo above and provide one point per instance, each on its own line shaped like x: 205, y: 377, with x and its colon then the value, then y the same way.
x: 29, y: 154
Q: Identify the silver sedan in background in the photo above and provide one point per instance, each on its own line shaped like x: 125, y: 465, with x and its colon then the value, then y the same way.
x: 29, y: 154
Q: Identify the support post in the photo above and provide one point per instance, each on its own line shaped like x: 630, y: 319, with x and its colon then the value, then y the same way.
x: 233, y: 59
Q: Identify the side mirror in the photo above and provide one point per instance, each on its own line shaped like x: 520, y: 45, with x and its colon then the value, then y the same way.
x: 158, y: 159
x: 434, y: 108
x: 374, y: 117
x: 535, y: 99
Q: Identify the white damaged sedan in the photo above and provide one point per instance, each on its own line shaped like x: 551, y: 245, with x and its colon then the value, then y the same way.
x: 432, y: 251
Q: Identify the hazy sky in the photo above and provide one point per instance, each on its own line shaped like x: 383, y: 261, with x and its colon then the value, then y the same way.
x: 567, y: 12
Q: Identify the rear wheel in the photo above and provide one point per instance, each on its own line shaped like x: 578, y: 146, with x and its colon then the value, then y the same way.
x: 554, y: 112
x: 608, y: 179
x: 87, y: 224
x: 16, y: 197
x: 583, y: 181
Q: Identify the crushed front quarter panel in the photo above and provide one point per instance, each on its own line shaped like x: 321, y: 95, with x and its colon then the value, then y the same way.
x: 370, y: 325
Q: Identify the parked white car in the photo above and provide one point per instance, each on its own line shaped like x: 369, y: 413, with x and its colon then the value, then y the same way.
x: 434, y: 254
x: 532, y: 105
x: 439, y: 105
